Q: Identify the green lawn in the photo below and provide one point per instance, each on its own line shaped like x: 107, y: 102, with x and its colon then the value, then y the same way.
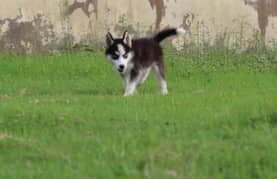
x: 63, y: 116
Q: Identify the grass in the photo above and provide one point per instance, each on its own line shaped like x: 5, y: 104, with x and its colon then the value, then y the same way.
x: 63, y: 116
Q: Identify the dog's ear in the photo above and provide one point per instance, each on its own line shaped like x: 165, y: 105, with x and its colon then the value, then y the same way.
x: 127, y: 39
x: 109, y: 39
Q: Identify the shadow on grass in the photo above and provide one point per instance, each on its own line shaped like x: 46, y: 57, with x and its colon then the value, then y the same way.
x: 273, y: 119
x: 270, y: 119
x: 24, y: 150
x: 98, y: 92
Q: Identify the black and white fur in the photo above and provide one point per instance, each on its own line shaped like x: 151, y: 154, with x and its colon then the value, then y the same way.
x: 134, y: 59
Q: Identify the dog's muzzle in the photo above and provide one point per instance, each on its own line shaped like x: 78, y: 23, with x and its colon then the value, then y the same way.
x: 120, y: 68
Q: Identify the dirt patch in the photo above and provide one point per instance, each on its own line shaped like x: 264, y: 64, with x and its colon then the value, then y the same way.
x: 2, y: 136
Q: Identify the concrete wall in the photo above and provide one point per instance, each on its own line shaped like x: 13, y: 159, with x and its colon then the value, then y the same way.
x: 38, y: 25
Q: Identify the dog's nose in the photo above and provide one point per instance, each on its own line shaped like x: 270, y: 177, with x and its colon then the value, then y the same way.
x: 121, y: 67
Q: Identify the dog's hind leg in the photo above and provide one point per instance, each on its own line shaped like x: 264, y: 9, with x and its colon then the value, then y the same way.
x: 159, y: 71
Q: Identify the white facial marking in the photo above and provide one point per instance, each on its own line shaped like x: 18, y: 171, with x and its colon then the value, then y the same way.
x: 122, y: 62
x: 121, y: 49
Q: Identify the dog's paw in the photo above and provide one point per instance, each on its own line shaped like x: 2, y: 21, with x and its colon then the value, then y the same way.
x: 164, y: 92
x: 128, y: 94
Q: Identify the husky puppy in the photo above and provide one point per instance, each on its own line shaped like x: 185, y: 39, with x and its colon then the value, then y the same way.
x: 133, y: 59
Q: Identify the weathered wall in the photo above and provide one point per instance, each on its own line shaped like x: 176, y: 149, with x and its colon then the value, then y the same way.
x: 37, y: 25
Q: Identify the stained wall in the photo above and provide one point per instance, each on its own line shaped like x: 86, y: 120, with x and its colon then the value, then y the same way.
x: 36, y: 25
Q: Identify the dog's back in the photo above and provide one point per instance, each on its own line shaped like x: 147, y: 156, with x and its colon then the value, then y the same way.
x: 146, y: 51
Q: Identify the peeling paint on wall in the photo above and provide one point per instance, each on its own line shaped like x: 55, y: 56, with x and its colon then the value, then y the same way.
x: 40, y: 25
x: 21, y: 35
x: 88, y: 7
x: 160, y: 8
x: 265, y: 9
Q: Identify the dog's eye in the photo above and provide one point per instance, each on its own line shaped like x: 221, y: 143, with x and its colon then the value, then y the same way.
x: 125, y: 55
x: 114, y: 57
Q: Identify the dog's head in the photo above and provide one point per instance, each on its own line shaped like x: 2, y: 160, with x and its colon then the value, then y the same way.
x: 119, y: 51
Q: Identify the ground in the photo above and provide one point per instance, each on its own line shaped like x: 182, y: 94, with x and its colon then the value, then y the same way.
x: 63, y: 116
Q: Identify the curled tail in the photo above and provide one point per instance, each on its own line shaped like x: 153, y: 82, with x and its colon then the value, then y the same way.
x: 167, y: 33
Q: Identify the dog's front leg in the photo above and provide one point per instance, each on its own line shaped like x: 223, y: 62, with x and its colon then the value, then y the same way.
x: 131, y: 82
x: 130, y: 88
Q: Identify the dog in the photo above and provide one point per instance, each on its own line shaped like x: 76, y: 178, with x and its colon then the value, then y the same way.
x: 133, y: 59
